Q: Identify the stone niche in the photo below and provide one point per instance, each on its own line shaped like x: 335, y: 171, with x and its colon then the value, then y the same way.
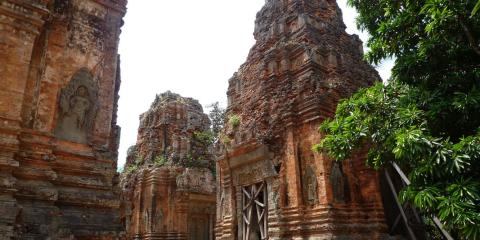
x: 58, y: 134
x: 77, y: 108
x: 168, y: 183
x: 270, y: 183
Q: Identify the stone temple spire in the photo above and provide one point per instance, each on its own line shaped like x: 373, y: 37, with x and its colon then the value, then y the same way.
x: 302, y: 51
x: 302, y: 64
x: 168, y: 188
x: 276, y: 17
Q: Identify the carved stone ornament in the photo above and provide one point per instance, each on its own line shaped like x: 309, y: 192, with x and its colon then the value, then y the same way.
x: 310, y: 187
x: 77, y: 108
x: 158, y: 220
x: 337, y: 179
x: 254, y: 172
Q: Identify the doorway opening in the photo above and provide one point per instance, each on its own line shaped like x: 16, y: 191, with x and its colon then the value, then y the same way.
x: 254, y: 212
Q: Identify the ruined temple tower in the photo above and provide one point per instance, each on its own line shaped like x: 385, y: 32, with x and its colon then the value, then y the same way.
x: 270, y: 183
x: 168, y: 183
x: 59, y: 81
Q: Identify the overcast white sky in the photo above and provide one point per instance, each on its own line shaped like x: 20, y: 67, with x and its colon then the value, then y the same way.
x: 191, y: 47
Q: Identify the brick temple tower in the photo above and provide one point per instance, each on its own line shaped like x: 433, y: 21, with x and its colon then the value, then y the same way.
x: 168, y: 184
x: 270, y: 183
x: 59, y: 79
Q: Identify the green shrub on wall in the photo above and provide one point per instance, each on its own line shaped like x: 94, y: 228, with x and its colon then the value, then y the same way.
x: 159, y: 160
x: 234, y: 121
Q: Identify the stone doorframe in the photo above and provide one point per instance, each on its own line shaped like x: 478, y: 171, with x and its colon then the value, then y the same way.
x: 249, y: 170
x: 254, y: 210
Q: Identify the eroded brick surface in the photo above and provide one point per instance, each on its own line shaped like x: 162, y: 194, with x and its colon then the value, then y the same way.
x: 59, y: 82
x: 168, y: 183
x: 302, y: 63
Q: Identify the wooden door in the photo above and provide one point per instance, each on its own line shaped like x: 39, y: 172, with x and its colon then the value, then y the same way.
x: 254, y: 212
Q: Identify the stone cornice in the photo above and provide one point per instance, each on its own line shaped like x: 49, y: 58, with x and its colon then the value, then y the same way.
x: 117, y: 5
x: 33, y: 14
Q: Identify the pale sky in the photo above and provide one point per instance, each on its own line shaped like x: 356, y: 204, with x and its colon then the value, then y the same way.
x: 190, y: 47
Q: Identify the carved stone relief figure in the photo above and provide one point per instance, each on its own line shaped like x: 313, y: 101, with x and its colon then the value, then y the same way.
x: 337, y: 179
x: 74, y: 110
x: 222, y: 203
x: 147, y: 221
x: 274, y: 195
x: 227, y: 204
x: 310, y: 186
x: 158, y: 220
x: 77, y: 108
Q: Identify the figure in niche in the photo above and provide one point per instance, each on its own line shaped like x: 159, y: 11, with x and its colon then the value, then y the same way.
x: 147, y: 221
x: 310, y: 186
x: 76, y: 108
x: 158, y: 220
x: 72, y: 125
x: 222, y: 203
x: 337, y: 179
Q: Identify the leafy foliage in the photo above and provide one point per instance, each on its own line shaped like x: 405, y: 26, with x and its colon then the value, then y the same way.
x: 476, y: 8
x: 225, y: 139
x: 206, y: 138
x: 191, y: 162
x: 217, y: 116
x: 427, y: 118
x: 234, y: 121
x: 159, y: 161
x: 132, y: 167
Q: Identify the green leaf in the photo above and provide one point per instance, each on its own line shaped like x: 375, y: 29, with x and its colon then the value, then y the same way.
x: 427, y: 118
x: 475, y: 9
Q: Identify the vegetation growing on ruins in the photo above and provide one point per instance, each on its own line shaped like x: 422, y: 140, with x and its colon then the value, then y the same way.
x: 159, y: 161
x: 191, y: 162
x: 234, y: 120
x: 225, y: 139
x: 206, y: 138
x: 131, y: 168
x: 427, y: 118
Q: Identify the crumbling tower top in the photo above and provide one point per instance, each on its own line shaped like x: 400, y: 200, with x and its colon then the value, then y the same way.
x: 171, y: 131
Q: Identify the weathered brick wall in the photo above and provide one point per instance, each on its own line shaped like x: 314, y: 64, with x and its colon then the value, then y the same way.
x: 302, y: 64
x: 168, y: 183
x: 59, y: 139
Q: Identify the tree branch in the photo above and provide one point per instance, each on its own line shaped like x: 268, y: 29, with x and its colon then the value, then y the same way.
x: 471, y: 39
